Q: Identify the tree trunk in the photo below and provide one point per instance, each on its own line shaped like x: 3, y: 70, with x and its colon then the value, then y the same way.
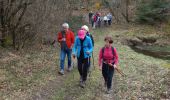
x: 127, y: 11
x: 2, y: 29
x: 14, y: 39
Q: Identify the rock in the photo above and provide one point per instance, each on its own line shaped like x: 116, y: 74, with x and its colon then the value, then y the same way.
x: 148, y: 39
x: 135, y: 41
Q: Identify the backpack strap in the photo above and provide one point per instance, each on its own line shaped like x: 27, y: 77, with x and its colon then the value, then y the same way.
x: 104, y: 49
x: 113, y: 51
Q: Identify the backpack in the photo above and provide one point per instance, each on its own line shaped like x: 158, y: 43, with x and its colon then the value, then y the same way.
x: 103, y: 51
x: 95, y: 18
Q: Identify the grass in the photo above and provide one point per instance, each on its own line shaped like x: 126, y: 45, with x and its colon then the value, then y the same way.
x: 22, y: 76
x: 147, y: 78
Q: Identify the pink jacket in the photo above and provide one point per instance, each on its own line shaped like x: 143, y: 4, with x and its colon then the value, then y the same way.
x: 108, y: 56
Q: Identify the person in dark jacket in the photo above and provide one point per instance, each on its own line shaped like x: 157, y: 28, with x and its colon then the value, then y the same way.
x: 90, y: 16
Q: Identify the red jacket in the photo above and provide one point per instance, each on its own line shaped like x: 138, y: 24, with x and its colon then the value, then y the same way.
x: 69, y: 38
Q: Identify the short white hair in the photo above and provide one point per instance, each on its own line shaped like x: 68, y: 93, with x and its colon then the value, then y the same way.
x: 65, y: 25
x: 85, y: 27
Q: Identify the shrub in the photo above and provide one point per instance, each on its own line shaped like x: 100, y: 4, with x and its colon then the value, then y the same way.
x: 153, y: 11
x: 75, y: 23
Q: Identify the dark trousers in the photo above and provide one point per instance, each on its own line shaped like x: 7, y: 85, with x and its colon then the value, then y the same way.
x: 83, y: 67
x: 109, y: 22
x: 92, y: 23
x: 105, y: 22
x: 99, y: 23
x: 107, y: 72
x: 89, y: 62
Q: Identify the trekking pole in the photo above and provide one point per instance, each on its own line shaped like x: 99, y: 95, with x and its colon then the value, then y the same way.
x: 89, y: 69
x: 120, y: 72
x: 73, y: 65
x: 93, y: 61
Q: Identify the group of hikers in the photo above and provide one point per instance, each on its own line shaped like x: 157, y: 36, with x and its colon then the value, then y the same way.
x: 80, y: 47
x: 96, y: 19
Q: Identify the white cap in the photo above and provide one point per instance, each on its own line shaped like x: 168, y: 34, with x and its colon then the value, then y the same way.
x: 85, y: 27
x: 65, y: 25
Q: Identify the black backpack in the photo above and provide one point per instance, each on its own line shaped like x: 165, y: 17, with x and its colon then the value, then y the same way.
x: 103, y: 51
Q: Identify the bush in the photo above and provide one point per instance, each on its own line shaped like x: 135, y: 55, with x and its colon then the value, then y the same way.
x: 153, y: 11
x: 75, y: 23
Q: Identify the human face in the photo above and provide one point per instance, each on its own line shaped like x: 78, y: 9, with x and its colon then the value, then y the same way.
x: 107, y: 43
x: 65, y: 28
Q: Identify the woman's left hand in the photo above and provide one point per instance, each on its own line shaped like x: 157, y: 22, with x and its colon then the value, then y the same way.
x: 115, y: 67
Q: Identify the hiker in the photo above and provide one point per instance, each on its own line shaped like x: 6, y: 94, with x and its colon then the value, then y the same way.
x: 92, y: 20
x: 82, y: 49
x: 99, y: 20
x: 105, y: 19
x: 108, y: 60
x: 109, y: 16
x: 85, y: 27
x: 66, y: 40
x: 95, y: 16
x: 90, y: 16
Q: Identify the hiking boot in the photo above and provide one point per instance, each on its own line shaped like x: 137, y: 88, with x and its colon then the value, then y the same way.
x: 82, y: 84
x: 61, y: 72
x: 69, y: 69
x: 108, y: 91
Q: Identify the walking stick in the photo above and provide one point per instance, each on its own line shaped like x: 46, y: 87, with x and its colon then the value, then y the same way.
x: 89, y: 69
x: 118, y: 70
x: 93, y: 61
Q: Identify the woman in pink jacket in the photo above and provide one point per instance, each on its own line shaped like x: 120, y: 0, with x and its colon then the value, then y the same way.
x: 108, y: 60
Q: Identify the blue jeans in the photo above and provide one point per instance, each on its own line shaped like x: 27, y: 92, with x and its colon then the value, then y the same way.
x: 62, y: 58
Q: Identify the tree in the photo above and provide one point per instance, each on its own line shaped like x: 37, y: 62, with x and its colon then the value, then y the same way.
x: 153, y: 11
x: 11, y: 14
x: 28, y: 21
x: 119, y: 9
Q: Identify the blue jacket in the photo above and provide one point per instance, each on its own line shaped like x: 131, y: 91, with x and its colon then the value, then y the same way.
x: 87, y: 46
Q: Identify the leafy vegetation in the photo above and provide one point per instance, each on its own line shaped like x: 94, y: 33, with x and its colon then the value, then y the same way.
x: 76, y: 22
x: 153, y: 11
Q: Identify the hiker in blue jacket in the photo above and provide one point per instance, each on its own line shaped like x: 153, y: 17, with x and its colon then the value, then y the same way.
x: 82, y: 49
x: 86, y: 28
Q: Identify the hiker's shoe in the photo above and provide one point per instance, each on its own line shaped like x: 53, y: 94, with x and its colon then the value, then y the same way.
x: 82, y: 84
x: 108, y: 91
x: 69, y: 69
x: 81, y: 79
x: 61, y: 72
